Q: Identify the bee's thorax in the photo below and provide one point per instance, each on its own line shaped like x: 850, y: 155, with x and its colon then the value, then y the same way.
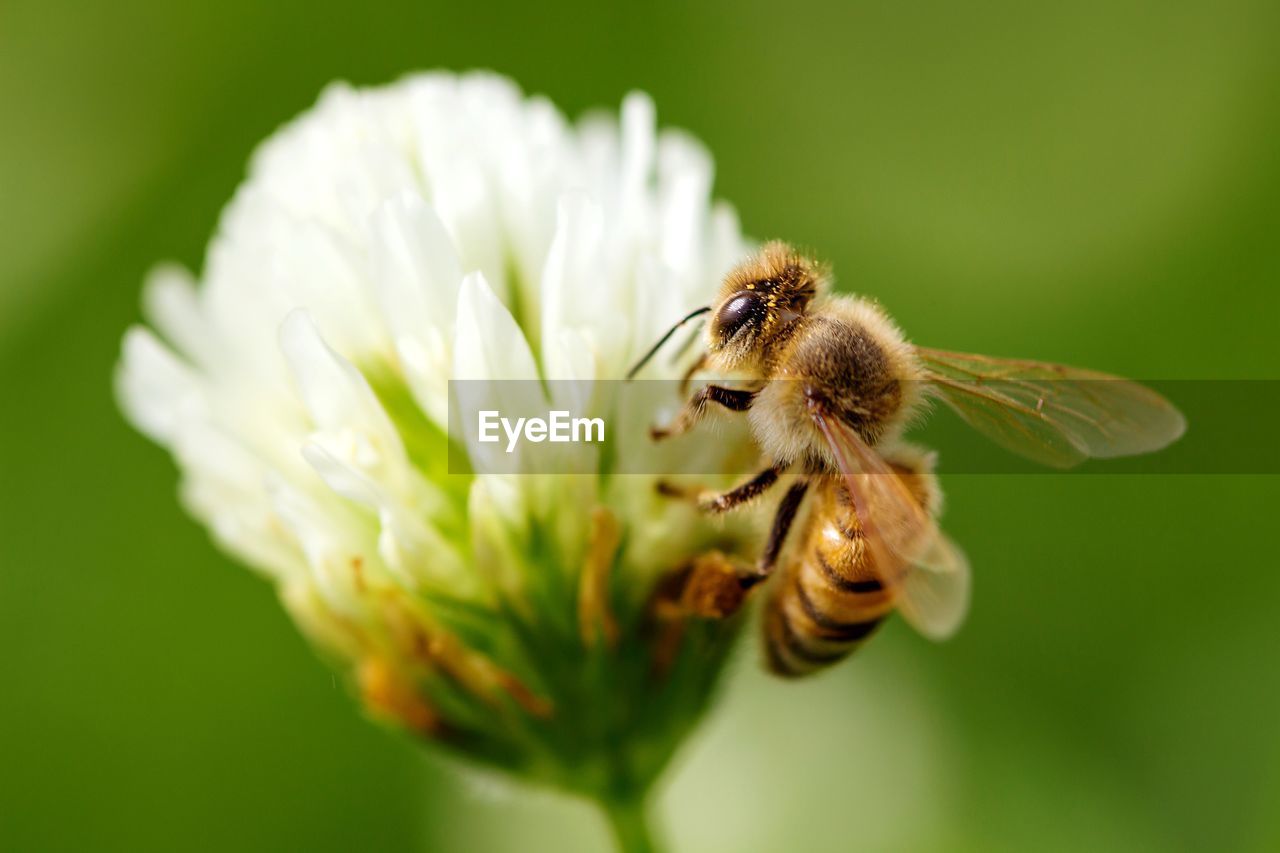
x: 846, y: 354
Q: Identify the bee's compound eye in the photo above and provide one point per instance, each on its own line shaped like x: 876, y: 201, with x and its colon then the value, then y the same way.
x: 736, y: 313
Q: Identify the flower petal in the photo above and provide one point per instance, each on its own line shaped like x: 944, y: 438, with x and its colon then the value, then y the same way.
x: 156, y: 390
x: 335, y: 392
x: 416, y: 275
x: 489, y: 343
x: 172, y: 305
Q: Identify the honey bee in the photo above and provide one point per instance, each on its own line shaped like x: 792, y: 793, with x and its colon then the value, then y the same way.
x: 829, y: 385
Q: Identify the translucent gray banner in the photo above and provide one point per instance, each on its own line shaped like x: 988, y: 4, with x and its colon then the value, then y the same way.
x: 582, y: 427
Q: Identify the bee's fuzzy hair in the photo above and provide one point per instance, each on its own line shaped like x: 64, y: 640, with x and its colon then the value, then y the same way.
x: 779, y: 270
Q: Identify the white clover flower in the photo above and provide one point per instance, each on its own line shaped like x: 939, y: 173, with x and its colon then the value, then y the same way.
x: 386, y: 242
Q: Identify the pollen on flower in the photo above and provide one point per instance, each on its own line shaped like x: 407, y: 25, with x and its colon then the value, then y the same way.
x: 386, y: 696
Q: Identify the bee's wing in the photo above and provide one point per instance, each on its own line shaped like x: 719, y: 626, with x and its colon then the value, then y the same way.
x: 935, y: 594
x: 927, y: 574
x: 1051, y: 413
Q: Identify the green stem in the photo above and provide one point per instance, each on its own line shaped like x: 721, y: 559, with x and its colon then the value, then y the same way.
x: 629, y: 824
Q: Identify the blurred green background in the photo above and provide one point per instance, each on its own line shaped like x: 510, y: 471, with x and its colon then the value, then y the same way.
x: 1094, y: 182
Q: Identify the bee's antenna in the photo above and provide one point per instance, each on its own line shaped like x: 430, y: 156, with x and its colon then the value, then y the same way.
x: 683, y: 346
x: 697, y: 312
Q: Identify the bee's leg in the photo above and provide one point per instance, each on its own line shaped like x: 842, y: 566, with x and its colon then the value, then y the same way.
x: 718, y: 502
x: 733, y: 399
x: 688, y: 374
x: 712, y: 586
x: 782, y: 521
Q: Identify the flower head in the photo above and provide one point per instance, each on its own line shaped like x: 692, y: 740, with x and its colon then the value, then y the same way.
x: 386, y: 242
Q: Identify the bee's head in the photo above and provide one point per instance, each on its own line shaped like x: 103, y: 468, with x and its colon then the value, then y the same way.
x: 760, y: 302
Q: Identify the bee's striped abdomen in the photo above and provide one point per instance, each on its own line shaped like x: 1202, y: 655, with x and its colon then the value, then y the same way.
x: 827, y: 601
